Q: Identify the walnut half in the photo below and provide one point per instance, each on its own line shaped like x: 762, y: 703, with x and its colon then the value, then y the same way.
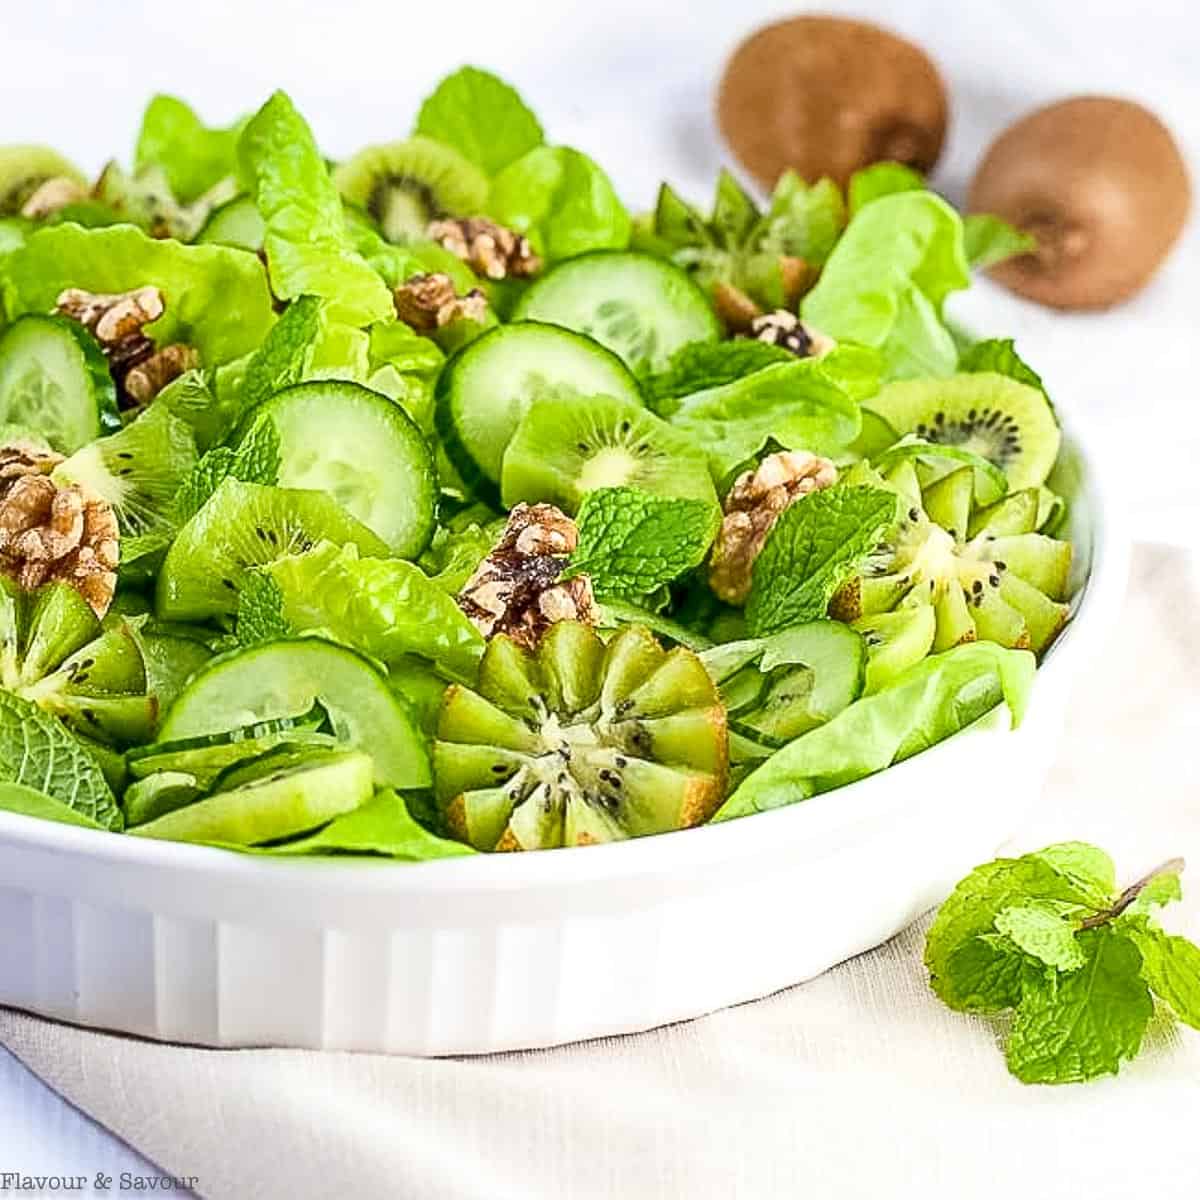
x: 516, y: 590
x: 490, y: 250
x: 52, y: 533
x: 429, y: 302
x: 752, y: 507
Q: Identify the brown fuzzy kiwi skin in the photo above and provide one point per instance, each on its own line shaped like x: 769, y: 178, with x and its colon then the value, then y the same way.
x: 826, y: 96
x: 1101, y: 184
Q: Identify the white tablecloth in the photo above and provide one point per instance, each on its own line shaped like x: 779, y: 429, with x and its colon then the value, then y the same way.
x: 859, y: 1083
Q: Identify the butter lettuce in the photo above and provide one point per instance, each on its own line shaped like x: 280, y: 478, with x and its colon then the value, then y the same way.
x: 930, y: 701
x: 308, y: 248
x: 192, y: 156
x: 216, y: 298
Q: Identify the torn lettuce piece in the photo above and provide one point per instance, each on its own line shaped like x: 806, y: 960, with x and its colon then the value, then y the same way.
x: 191, y: 155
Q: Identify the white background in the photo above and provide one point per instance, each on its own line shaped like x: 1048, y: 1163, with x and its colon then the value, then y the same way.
x: 632, y: 84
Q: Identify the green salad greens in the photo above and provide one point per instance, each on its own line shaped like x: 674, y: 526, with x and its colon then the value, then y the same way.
x: 428, y: 502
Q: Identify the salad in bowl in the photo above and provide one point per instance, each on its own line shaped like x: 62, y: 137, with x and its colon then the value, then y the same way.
x: 427, y: 503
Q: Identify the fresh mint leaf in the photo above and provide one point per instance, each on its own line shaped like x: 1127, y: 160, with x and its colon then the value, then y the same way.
x: 1090, y: 871
x: 260, y: 611
x: 1081, y: 1024
x: 1160, y: 889
x: 990, y: 240
x: 937, y: 697
x: 281, y: 360
x: 29, y: 802
x: 481, y: 117
x: 308, y: 249
x: 192, y: 156
x: 879, y: 180
x: 37, y: 752
x: 699, y: 366
x: 562, y: 201
x: 256, y: 460
x: 1170, y: 965
x: 999, y: 356
x: 984, y: 974
x: 1038, y: 928
x: 815, y: 545
x: 631, y: 542
x: 887, y: 279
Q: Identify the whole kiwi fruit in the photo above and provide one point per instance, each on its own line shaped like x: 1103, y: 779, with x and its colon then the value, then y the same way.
x: 825, y: 96
x: 1101, y: 184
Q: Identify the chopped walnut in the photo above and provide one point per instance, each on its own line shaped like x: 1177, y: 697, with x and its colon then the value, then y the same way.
x: 488, y: 249
x: 51, y: 195
x: 145, y: 380
x: 751, y: 508
x: 783, y: 328
x: 429, y: 302
x: 112, y: 318
x: 516, y: 590
x: 50, y: 533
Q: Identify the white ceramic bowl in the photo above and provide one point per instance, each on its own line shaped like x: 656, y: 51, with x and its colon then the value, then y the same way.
x: 198, y: 945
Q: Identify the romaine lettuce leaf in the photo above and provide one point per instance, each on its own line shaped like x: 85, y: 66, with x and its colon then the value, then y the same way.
x: 886, y: 280
x: 562, y: 201
x: 481, y: 117
x: 927, y: 703
x: 386, y: 608
x: 216, y: 298
x: 192, y: 156
x: 308, y: 248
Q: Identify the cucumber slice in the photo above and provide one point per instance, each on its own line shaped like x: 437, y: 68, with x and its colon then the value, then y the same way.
x: 286, y: 678
x: 484, y: 390
x: 278, y: 806
x: 54, y: 378
x: 235, y: 223
x: 157, y: 795
x: 206, y: 759
x: 363, y: 451
x: 640, y: 307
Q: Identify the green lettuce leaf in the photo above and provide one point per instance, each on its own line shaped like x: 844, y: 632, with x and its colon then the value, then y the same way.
x: 815, y: 545
x: 562, y: 201
x: 216, y: 298
x: 192, y: 156
x: 803, y: 220
x: 924, y: 705
x: 699, y: 366
x: 386, y: 608
x: 886, y: 280
x: 454, y: 554
x: 1083, y: 1023
x: 989, y: 240
x: 879, y: 180
x: 381, y: 826
x: 481, y: 117
x: 308, y: 248
x: 38, y: 753
x: 631, y: 543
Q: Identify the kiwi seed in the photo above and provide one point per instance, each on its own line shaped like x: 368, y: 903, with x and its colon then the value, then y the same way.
x: 825, y: 96
x: 1101, y: 184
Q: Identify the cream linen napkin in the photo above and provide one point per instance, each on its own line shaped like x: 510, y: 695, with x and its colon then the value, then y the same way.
x: 858, y: 1084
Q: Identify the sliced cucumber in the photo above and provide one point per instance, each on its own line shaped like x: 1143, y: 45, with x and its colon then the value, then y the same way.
x: 287, y: 678
x: 484, y: 390
x: 54, y: 378
x: 639, y: 306
x: 275, y: 807
x: 159, y: 794
x: 362, y: 450
x: 236, y: 223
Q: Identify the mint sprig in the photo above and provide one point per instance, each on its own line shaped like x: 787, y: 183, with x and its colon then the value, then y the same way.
x: 632, y: 543
x: 1047, y: 937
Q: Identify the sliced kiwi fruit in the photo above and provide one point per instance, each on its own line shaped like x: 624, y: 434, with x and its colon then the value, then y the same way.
x: 565, y: 447
x: 580, y: 742
x: 405, y: 185
x: 1008, y: 423
x: 55, y: 653
x: 825, y: 96
x: 242, y: 526
x: 994, y: 581
x: 23, y: 169
x: 1102, y: 186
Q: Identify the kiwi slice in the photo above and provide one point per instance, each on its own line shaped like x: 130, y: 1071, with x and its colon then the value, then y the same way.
x: 1008, y: 423
x: 23, y: 169
x: 580, y: 742
x: 1005, y: 587
x: 405, y: 185
x: 565, y: 447
x: 242, y: 526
